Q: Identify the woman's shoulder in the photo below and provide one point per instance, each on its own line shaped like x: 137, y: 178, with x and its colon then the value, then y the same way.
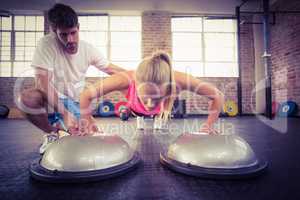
x: 184, y: 80
x: 131, y: 73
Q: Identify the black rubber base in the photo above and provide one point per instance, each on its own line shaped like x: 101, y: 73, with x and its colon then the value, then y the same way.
x: 54, y: 176
x: 214, y: 173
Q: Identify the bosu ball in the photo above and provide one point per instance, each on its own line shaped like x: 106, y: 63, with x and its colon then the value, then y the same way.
x: 83, y: 159
x: 212, y: 156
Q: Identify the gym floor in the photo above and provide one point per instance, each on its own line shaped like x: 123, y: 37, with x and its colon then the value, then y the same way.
x: 275, y: 140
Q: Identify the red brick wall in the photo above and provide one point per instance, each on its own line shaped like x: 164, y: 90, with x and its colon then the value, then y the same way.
x: 156, y: 32
x: 196, y: 104
x: 285, y: 59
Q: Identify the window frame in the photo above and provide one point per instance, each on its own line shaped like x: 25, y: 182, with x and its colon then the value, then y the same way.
x: 202, y: 57
x: 46, y: 29
x: 13, y: 46
x: 109, y: 37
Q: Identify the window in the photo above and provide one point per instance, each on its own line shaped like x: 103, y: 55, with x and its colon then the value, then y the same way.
x: 5, y: 46
x: 117, y: 37
x: 94, y: 29
x: 205, y: 47
x: 19, y: 37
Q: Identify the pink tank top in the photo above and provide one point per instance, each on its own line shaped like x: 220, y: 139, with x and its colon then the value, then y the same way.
x: 135, y: 104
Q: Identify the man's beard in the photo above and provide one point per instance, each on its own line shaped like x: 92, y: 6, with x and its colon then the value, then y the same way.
x: 71, y: 47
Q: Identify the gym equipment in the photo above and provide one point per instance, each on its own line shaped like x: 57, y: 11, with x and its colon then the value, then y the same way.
x: 124, y: 114
x: 275, y: 107
x: 230, y: 108
x: 212, y: 156
x: 119, y: 107
x: 4, y: 111
x: 106, y: 109
x: 84, y: 159
x: 57, y: 119
x: 288, y: 109
x: 179, y: 108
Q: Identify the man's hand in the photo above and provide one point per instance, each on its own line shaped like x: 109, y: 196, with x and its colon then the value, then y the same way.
x: 113, y: 69
x: 71, y: 123
x: 87, y: 126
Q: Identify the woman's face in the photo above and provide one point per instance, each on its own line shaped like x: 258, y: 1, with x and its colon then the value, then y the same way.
x: 151, y: 95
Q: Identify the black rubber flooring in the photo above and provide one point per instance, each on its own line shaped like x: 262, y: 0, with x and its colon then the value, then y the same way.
x: 278, y: 141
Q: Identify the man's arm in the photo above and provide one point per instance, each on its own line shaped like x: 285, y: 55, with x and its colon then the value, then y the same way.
x: 117, y: 82
x: 113, y: 69
x: 42, y: 78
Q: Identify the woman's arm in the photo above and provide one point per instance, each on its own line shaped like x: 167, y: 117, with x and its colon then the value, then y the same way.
x: 188, y: 82
x: 119, y: 81
x: 113, y: 69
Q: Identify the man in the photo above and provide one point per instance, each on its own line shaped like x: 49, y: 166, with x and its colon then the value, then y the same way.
x: 60, y: 62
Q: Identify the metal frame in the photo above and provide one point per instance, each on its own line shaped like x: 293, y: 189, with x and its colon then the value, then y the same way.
x: 239, y: 80
x: 266, y: 55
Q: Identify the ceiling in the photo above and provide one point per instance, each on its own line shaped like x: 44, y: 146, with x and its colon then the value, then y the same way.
x: 175, y: 6
x: 222, y: 7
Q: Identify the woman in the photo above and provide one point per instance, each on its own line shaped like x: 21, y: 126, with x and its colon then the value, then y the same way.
x: 151, y: 90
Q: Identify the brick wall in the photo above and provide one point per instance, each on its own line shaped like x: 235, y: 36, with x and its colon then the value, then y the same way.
x: 156, y: 29
x: 285, y: 59
x: 196, y: 104
x: 247, y: 60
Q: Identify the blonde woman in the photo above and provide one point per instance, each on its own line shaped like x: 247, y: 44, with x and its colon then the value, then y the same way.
x: 151, y: 90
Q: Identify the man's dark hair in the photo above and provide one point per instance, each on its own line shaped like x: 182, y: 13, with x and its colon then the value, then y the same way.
x: 62, y: 16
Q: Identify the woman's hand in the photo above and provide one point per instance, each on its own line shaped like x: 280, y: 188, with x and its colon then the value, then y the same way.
x: 207, y: 128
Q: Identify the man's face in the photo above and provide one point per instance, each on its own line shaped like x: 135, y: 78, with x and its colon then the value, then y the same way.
x: 69, y: 38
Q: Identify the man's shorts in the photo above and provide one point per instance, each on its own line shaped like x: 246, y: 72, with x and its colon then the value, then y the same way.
x: 71, y: 105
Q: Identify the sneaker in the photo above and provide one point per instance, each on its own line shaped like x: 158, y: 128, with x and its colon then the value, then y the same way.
x: 62, y: 133
x: 50, y: 138
x: 140, y: 123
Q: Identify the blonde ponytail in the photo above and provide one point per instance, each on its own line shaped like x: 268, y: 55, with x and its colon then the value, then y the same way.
x: 158, y: 69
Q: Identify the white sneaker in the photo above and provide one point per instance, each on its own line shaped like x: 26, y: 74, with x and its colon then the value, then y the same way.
x: 140, y: 123
x: 50, y: 138
x: 159, y: 124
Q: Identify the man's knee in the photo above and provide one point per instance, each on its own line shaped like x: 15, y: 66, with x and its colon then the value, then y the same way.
x: 31, y: 98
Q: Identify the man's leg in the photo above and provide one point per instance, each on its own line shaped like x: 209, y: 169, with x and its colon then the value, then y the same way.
x: 33, y: 103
